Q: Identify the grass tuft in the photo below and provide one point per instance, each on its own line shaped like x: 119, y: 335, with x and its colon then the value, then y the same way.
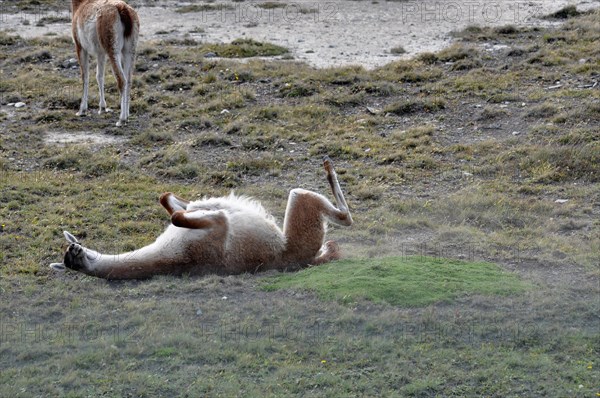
x: 415, y: 106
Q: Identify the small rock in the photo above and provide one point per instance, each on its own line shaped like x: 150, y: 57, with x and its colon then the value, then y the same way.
x: 373, y: 111
x: 19, y: 104
x: 467, y: 174
x: 210, y: 54
x: 561, y: 201
x: 515, y: 133
x: 69, y: 63
x: 582, y: 61
x: 199, y: 312
x: 155, y: 66
x: 224, y: 111
x: 10, y: 104
x: 224, y: 298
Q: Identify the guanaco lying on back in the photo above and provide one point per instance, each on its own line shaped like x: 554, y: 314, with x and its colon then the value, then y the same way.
x: 226, y: 235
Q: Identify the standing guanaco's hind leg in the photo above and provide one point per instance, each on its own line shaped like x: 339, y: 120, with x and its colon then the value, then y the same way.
x: 84, y: 58
x: 305, y: 222
x: 100, y: 80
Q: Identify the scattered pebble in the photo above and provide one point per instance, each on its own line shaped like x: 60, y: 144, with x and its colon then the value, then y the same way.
x: 19, y: 104
x: 224, y: 298
x: 554, y: 87
x: 224, y: 111
x: 561, y: 200
x: 70, y: 63
x: 515, y: 133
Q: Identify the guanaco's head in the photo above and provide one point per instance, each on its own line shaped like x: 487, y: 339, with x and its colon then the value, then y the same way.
x: 75, y: 257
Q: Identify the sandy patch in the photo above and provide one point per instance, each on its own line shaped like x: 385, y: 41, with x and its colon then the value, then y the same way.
x: 80, y: 137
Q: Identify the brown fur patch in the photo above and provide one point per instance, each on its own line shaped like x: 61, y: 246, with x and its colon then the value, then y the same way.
x: 180, y: 219
x: 125, y: 13
x: 106, y: 35
x: 165, y: 201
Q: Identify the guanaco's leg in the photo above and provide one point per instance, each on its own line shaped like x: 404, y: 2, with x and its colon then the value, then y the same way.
x: 100, y: 80
x: 200, y: 219
x: 172, y: 203
x: 343, y: 215
x: 329, y: 252
x: 212, y: 251
x: 83, y: 58
x: 305, y: 216
x: 128, y: 58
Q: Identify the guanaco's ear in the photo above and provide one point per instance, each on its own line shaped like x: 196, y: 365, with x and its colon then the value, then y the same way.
x: 172, y: 203
x: 70, y: 238
x: 59, y: 267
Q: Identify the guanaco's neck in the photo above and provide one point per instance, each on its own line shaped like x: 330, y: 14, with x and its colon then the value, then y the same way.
x: 136, y: 264
x: 165, y: 256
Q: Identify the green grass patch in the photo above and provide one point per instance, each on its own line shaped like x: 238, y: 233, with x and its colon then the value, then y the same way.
x: 413, y: 281
x: 245, y: 48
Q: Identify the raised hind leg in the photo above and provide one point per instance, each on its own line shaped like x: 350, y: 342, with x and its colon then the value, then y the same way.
x: 304, y: 225
x: 210, y: 253
x: 329, y: 252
